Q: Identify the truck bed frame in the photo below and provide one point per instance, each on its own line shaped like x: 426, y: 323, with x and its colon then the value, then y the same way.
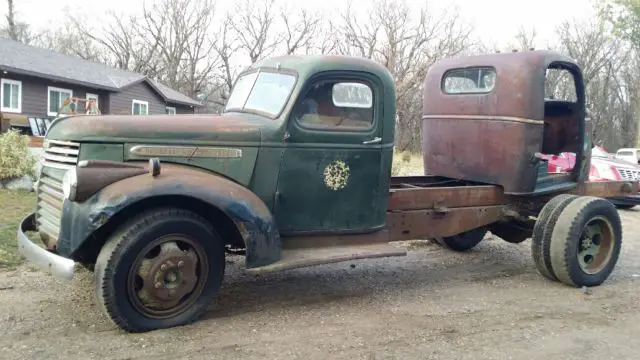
x: 429, y: 207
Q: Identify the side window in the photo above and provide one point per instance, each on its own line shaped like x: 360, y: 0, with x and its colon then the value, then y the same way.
x: 469, y: 80
x: 336, y: 105
x: 560, y: 85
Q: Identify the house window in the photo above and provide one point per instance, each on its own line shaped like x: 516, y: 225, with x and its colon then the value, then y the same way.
x: 139, y: 107
x: 93, y: 97
x: 56, y: 98
x: 11, y: 94
x: 170, y: 110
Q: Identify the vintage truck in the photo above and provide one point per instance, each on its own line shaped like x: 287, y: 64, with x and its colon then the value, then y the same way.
x: 297, y: 172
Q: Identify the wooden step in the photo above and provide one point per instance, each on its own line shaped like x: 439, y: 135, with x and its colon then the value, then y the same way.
x: 304, y: 257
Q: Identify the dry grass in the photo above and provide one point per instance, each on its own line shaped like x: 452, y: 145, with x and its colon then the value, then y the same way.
x: 407, y: 164
x: 14, y: 206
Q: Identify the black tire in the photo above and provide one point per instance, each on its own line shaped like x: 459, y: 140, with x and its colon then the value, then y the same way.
x: 115, y: 283
x: 465, y: 241
x: 542, y: 231
x: 567, y: 242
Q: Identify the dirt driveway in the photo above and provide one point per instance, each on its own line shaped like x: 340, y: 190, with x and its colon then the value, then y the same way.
x: 433, y: 304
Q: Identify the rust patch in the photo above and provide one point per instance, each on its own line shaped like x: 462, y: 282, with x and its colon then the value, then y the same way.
x: 441, y: 197
x: 607, y: 189
x: 422, y: 224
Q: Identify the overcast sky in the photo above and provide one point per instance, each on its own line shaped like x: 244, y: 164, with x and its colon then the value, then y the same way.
x: 495, y: 20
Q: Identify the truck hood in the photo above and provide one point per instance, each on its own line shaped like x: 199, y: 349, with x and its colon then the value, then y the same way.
x: 193, y: 129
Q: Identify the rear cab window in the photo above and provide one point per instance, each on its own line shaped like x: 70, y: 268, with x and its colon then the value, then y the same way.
x: 473, y: 80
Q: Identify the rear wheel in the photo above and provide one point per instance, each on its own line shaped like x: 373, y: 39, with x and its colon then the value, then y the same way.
x: 586, y: 242
x: 465, y: 241
x: 160, y: 270
x: 542, y: 231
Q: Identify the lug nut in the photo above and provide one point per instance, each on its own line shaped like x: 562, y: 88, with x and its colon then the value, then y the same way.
x: 158, y: 285
x: 163, y: 267
x: 180, y: 263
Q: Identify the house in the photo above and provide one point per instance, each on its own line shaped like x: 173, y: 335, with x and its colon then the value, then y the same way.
x: 35, y: 81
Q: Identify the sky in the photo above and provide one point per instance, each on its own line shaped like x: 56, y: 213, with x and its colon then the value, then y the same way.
x: 496, y: 21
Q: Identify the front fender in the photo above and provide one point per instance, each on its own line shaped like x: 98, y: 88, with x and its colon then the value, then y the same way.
x: 81, y: 220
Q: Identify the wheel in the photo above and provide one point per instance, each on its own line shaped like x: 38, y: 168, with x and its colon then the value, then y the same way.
x: 465, y: 241
x: 586, y: 242
x: 542, y: 231
x: 162, y: 269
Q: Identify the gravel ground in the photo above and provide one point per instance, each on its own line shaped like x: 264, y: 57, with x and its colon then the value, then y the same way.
x: 433, y: 304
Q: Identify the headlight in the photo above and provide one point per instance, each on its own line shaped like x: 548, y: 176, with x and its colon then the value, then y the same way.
x: 69, y: 184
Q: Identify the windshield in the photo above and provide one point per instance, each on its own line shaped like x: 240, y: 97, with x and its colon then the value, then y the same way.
x: 262, y: 92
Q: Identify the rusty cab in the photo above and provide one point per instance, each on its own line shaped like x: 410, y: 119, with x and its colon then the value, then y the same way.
x: 297, y: 172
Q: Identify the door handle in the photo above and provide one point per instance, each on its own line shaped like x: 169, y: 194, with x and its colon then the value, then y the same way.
x: 372, y: 141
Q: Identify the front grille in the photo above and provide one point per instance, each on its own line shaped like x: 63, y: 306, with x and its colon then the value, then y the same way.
x: 49, y: 211
x: 60, y: 155
x: 629, y: 174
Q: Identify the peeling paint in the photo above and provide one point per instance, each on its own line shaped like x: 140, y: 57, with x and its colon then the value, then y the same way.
x: 336, y: 175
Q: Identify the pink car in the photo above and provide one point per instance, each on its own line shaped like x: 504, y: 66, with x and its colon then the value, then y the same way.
x: 604, y: 167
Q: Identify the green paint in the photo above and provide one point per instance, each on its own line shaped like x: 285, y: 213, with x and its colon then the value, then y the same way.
x: 311, y: 178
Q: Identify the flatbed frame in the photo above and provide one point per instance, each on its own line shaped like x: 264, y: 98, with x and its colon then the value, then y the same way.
x: 427, y: 207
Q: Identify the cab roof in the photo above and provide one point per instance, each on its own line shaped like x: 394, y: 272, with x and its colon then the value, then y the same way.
x: 518, y: 90
x: 308, y: 65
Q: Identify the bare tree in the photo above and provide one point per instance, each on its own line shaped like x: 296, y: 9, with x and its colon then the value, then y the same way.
x: 12, y: 30
x: 407, y: 46
x: 253, y: 25
x: 299, y: 30
x: 69, y: 40
x: 15, y: 29
x: 610, y: 75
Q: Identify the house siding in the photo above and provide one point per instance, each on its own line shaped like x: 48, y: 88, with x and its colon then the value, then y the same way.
x: 182, y: 109
x: 120, y: 103
x: 35, y: 94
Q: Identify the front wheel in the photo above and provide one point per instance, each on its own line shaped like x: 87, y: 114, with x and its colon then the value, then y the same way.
x: 160, y: 270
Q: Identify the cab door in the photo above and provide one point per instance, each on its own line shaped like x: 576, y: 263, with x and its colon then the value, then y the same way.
x: 330, y: 173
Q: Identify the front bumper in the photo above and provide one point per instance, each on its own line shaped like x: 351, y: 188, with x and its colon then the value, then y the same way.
x: 60, y: 267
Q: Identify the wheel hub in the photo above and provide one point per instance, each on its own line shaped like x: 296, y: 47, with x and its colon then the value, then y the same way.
x: 595, y: 246
x: 167, y: 277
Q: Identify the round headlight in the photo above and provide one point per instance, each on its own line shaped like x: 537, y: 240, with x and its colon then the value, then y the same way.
x: 69, y: 182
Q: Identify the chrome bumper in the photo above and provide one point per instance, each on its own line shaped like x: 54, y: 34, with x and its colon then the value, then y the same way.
x: 60, y: 267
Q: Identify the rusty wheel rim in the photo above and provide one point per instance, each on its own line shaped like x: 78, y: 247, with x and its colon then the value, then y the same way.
x: 168, y: 276
x: 595, y: 247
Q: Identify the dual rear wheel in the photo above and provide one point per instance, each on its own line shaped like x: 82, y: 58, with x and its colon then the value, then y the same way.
x: 577, y: 240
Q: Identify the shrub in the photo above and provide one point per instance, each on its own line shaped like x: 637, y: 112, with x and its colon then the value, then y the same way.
x: 15, y: 158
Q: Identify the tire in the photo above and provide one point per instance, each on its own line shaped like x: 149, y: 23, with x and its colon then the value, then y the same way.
x: 599, y: 222
x: 180, y: 244
x: 463, y: 242
x: 542, y: 231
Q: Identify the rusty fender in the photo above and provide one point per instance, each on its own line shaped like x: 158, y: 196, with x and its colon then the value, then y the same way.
x: 82, y: 219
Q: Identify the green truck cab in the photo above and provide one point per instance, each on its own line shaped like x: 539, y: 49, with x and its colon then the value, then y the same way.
x: 297, y: 172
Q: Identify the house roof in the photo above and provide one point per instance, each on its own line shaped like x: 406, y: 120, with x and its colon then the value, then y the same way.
x: 35, y: 61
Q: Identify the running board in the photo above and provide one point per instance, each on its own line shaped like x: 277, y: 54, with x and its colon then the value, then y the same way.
x: 305, y: 257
